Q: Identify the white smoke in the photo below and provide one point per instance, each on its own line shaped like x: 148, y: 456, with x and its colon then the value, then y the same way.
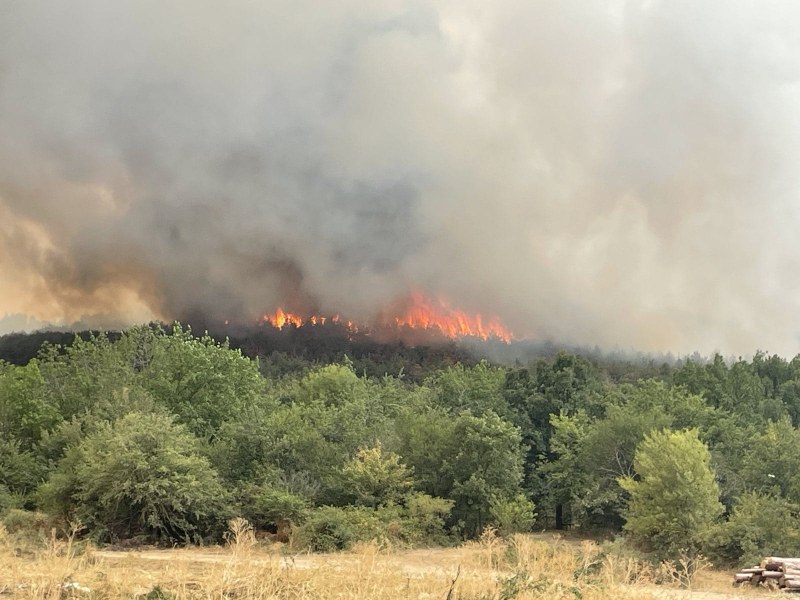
x: 620, y: 173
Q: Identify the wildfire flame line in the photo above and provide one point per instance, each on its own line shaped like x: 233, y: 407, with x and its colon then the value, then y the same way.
x: 281, y: 318
x: 419, y: 313
x: 454, y: 323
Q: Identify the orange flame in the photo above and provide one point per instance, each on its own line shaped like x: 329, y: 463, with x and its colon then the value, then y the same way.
x: 418, y: 313
x: 280, y: 319
x: 454, y: 323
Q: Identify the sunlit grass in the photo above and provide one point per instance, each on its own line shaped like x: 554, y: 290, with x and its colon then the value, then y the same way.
x: 524, y: 567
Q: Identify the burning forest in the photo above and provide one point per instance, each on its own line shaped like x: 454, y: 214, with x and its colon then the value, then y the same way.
x: 406, y: 320
x: 555, y: 171
x: 333, y: 267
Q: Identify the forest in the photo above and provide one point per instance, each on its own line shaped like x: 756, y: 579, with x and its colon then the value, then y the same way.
x: 158, y: 435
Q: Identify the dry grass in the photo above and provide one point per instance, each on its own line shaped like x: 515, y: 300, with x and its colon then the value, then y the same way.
x: 523, y: 567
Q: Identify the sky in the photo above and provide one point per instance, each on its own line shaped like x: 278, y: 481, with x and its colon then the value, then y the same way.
x: 621, y: 173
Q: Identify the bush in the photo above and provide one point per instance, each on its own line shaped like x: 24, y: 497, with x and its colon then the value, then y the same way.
x: 143, y: 476
x: 20, y: 471
x: 27, y: 528
x: 376, y: 478
x: 425, y: 518
x: 512, y: 515
x: 16, y: 520
x: 274, y: 509
x: 759, y: 526
x: 330, y: 528
x: 8, y: 500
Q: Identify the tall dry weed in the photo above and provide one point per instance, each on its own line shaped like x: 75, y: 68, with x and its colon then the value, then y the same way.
x: 241, y: 537
x: 55, y: 566
x: 522, y: 567
x: 492, y: 547
x: 620, y: 570
x: 683, y: 571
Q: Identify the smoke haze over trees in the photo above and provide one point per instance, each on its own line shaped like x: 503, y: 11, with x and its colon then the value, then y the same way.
x: 619, y: 173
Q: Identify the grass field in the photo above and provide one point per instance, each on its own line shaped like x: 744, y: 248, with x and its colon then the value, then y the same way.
x: 523, y: 567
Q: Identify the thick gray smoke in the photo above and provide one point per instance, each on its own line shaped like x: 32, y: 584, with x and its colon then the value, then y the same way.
x: 613, y: 173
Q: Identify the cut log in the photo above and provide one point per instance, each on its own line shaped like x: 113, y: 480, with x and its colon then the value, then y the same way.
x: 772, y: 574
x: 772, y: 563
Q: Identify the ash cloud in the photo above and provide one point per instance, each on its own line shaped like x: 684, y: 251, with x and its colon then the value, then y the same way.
x: 620, y: 174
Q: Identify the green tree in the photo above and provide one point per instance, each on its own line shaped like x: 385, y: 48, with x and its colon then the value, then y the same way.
x: 570, y: 383
x: 424, y: 440
x: 772, y: 462
x: 531, y: 411
x: 565, y: 475
x: 304, y: 432
x: 202, y: 382
x: 675, y: 500
x: 468, y: 459
x: 84, y: 374
x: 20, y: 471
x: 486, y: 464
x: 273, y: 507
x: 590, y: 455
x: 476, y: 389
x: 377, y: 478
x: 25, y: 410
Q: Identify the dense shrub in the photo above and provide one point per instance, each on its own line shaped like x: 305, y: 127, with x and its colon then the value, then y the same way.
x: 8, y: 500
x: 330, y: 528
x: 28, y: 530
x: 512, y: 515
x: 375, y: 478
x: 759, y: 526
x: 16, y: 520
x: 141, y: 476
x: 273, y: 508
x: 20, y: 473
x: 425, y: 518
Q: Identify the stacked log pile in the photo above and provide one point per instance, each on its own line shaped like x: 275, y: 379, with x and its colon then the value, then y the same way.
x: 774, y: 571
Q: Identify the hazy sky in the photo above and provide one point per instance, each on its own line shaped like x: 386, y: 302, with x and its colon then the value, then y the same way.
x: 617, y: 173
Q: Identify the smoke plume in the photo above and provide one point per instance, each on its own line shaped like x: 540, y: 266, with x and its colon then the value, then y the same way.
x: 615, y: 173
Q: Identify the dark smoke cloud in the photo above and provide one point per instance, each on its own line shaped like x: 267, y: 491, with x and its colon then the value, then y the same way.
x: 617, y: 173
